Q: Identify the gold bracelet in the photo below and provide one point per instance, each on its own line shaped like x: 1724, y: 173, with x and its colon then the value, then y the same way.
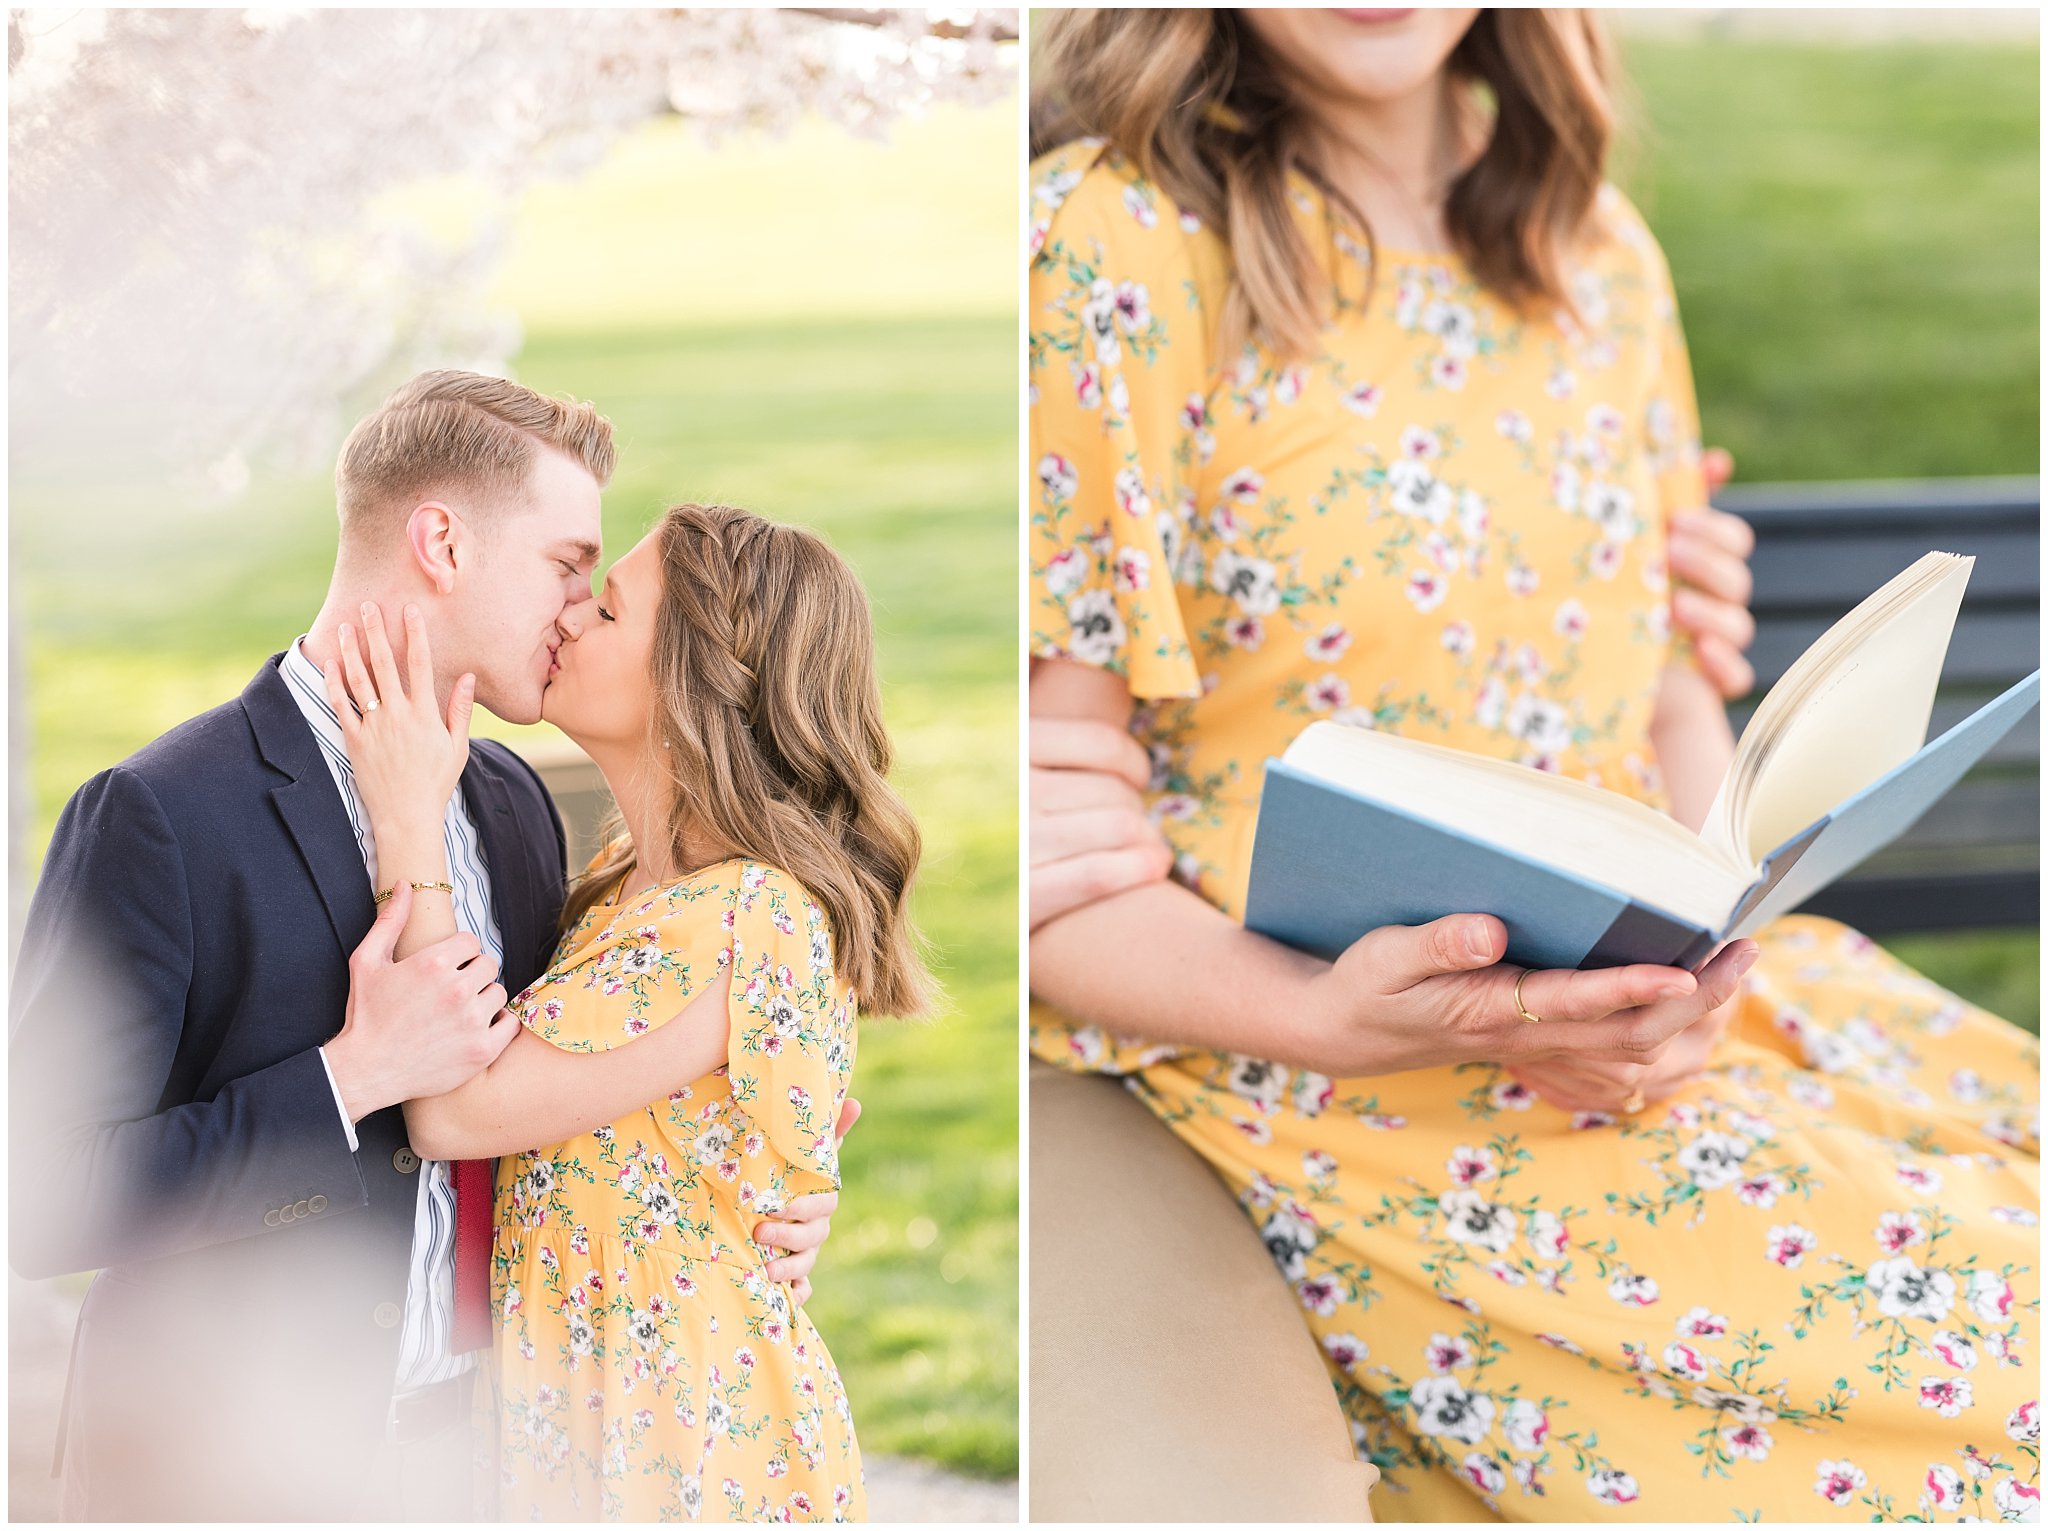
x: 421, y: 887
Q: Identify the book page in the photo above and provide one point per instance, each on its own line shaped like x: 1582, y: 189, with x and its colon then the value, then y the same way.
x: 1854, y: 714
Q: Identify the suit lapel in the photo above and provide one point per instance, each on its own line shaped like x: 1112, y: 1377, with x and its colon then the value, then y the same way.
x: 310, y: 805
x: 490, y: 808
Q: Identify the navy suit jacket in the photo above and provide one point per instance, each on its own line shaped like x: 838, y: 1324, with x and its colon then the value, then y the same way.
x: 172, y: 1126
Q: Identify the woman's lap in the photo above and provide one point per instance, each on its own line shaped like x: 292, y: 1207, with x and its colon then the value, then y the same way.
x: 1693, y: 1314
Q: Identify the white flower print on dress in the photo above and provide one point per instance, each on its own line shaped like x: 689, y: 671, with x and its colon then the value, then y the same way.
x: 1290, y: 1234
x: 1059, y: 476
x: 1610, y: 1486
x: 1636, y: 1291
x: 1328, y: 645
x: 1714, y: 1159
x: 1541, y: 724
x: 1257, y: 1080
x: 1483, y: 1473
x: 1469, y: 1166
x: 1747, y: 1442
x: 1415, y: 491
x: 1131, y: 497
x: 1685, y: 1362
x: 1329, y: 694
x: 1471, y: 1219
x: 1944, y: 1487
x: 1788, y: 1244
x: 1426, y: 589
x: 1953, y: 1349
x: 2024, y: 1424
x: 1344, y: 1350
x: 1444, y: 1408
x: 1549, y: 1236
x: 1526, y: 1425
x: 1250, y: 582
x: 1702, y: 1323
x: 1899, y: 1230
x: 1245, y: 486
x: 1066, y: 571
x: 1947, y: 1396
x: 1839, y: 1481
x: 1447, y: 1352
x: 1363, y: 400
x: 1098, y: 629
x: 1904, y: 1290
x: 1990, y: 1296
x: 2017, y: 1501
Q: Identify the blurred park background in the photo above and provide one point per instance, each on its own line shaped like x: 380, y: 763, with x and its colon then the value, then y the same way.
x: 1850, y: 202
x: 820, y: 327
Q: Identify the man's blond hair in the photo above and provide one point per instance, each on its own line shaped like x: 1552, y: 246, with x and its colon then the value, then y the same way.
x: 459, y: 435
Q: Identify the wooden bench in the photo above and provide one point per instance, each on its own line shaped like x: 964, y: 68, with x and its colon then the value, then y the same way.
x: 1974, y: 860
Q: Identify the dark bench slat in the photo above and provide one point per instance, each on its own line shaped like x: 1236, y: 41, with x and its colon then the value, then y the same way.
x: 1980, y: 813
x: 1951, y: 901
x: 1989, y: 648
x: 1973, y: 860
x: 2021, y: 747
x: 1832, y: 571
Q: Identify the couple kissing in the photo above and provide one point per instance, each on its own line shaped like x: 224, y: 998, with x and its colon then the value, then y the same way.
x: 425, y: 1179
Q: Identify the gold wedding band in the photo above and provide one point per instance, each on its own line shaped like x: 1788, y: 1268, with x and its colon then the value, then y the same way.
x: 1634, y: 1103
x: 1533, y: 1020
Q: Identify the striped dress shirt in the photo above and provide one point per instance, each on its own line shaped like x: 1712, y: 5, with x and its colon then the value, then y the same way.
x: 424, y: 1353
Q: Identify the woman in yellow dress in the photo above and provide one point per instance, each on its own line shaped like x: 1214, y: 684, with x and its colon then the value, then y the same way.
x: 647, y: 1365
x: 1356, y: 398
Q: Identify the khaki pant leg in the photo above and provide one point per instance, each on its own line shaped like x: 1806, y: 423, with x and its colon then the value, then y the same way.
x: 1172, y: 1378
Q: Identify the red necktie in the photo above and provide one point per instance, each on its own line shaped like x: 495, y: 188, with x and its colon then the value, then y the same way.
x: 474, y: 1194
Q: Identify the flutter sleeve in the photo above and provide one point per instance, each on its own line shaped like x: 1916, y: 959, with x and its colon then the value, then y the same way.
x: 791, y: 1040
x: 1118, y: 363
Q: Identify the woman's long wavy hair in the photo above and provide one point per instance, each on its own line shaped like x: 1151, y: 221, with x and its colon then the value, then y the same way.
x: 1207, y: 115
x: 765, y: 691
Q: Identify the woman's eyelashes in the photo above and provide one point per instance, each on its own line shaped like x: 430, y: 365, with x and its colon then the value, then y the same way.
x: 606, y: 615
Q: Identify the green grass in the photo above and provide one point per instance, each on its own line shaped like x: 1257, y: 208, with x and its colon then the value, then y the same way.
x: 1854, y: 235
x: 891, y: 428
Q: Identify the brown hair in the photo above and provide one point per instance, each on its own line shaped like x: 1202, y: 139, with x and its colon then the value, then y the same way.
x: 447, y: 432
x: 1202, y: 111
x: 765, y: 691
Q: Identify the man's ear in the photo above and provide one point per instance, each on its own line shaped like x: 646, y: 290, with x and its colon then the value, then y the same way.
x: 439, y: 543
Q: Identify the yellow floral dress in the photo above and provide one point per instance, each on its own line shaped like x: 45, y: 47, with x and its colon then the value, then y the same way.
x: 1803, y: 1289
x: 647, y: 1369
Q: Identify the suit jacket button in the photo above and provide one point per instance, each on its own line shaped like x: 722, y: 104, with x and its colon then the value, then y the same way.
x: 318, y: 1204
x: 386, y: 1315
x: 303, y: 1209
x: 285, y: 1214
x: 405, y: 1161
x: 273, y: 1218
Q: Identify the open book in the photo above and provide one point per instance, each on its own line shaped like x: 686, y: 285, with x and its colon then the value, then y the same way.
x: 1359, y: 829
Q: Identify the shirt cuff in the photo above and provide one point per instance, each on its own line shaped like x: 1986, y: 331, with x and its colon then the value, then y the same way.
x: 347, y: 1126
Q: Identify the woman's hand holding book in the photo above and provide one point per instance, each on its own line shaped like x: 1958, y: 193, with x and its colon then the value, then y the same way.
x: 1423, y: 996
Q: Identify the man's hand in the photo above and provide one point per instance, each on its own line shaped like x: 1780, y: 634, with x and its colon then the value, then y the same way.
x: 804, y: 1226
x: 1709, y: 557
x: 418, y: 1027
x: 1088, y: 831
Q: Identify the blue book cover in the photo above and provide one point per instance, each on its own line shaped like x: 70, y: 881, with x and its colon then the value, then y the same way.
x: 1330, y: 863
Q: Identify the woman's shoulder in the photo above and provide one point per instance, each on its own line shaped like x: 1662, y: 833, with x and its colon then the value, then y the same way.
x: 1621, y: 236
x: 1090, y: 193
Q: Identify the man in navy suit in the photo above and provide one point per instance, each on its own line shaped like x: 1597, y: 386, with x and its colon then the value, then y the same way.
x: 211, y: 1040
